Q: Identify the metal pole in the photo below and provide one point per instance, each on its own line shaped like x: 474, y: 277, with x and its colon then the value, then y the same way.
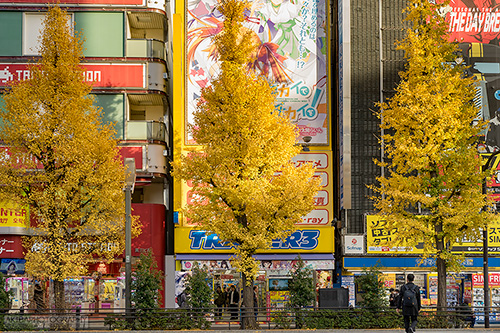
x: 128, y: 249
x: 486, y: 277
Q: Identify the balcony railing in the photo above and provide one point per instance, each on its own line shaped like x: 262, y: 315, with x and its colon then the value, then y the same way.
x: 146, y: 48
x: 146, y: 130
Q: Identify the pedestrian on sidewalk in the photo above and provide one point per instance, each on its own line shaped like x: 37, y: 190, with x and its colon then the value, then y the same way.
x: 220, y: 302
x: 233, y: 300
x: 256, y: 301
x: 409, y: 302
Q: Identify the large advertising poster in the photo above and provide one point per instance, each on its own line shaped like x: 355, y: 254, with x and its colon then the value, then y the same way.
x: 291, y: 52
x: 475, y: 25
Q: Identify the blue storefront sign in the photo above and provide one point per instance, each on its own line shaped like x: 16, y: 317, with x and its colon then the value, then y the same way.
x: 410, y: 262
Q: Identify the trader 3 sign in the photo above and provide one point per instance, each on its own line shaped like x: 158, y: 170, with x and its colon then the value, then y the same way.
x: 303, y: 240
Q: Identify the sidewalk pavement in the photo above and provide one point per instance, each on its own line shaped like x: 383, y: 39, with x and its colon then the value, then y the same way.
x: 450, y: 330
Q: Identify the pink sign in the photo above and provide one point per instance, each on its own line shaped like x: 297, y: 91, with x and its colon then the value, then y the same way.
x: 79, y: 2
x: 98, y: 75
x: 478, y: 280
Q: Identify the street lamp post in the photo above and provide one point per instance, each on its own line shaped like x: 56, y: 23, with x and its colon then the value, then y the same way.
x: 486, y: 278
x: 129, y: 189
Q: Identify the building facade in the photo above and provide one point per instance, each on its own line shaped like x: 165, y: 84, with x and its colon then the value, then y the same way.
x: 294, y: 45
x: 127, y: 61
x: 368, y: 69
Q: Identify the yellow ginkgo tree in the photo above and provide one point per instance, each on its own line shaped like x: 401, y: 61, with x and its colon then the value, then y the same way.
x: 246, y: 188
x: 62, y: 162
x: 431, y: 190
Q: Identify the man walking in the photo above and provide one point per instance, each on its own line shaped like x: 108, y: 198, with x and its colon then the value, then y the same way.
x: 409, y: 302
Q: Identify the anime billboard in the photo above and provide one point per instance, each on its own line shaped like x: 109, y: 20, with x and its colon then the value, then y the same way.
x: 475, y: 25
x: 291, y: 52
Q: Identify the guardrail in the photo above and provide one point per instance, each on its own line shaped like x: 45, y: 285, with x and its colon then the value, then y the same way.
x: 212, y: 318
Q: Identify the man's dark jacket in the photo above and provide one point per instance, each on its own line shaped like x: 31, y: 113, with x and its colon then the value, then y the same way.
x: 409, y: 310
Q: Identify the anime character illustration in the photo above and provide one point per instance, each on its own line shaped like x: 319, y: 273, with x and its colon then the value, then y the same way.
x: 224, y: 264
x: 292, y: 27
x: 290, y: 39
x: 11, y: 268
x: 266, y: 264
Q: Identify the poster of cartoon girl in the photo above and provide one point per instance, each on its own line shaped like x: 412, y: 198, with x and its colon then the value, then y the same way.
x: 291, y: 52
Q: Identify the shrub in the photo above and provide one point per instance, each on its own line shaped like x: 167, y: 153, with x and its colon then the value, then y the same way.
x: 370, y: 283
x: 282, y: 318
x: 302, y: 292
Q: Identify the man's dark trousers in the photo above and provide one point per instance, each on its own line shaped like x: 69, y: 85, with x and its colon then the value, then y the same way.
x: 410, y: 322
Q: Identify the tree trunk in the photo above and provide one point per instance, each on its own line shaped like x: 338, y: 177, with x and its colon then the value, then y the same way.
x: 247, y: 307
x: 441, y: 270
x: 59, y: 296
x: 59, y: 322
x: 441, y: 267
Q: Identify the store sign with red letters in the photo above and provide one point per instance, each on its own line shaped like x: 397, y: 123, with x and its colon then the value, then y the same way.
x: 478, y: 280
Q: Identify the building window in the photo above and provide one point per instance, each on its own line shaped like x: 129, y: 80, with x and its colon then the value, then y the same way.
x: 32, y: 27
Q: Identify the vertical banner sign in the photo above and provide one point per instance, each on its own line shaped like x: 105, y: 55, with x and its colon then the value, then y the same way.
x: 344, y: 106
x: 323, y: 206
x: 82, y: 2
x: 291, y: 51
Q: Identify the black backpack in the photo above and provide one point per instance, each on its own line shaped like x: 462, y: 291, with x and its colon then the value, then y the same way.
x: 410, y: 296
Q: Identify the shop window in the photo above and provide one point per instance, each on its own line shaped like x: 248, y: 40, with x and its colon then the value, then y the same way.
x: 113, y: 110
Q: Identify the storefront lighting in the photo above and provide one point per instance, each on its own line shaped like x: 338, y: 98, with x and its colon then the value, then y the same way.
x: 306, y: 140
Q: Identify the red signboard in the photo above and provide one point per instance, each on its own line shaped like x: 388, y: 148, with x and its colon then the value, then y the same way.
x: 135, y: 152
x: 79, y: 2
x: 26, y: 161
x: 98, y: 75
x: 11, y: 246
